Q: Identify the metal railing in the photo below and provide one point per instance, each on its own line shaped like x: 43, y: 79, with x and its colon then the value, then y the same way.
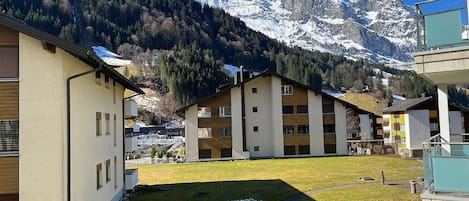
x: 9, y: 136
x: 446, y: 166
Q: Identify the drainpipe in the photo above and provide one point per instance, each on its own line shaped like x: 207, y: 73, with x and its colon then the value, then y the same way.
x: 69, y: 198
x: 243, y: 108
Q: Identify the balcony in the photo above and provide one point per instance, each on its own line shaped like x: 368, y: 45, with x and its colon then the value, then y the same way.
x: 130, y: 143
x: 446, y: 170
x: 130, y: 109
x: 443, y: 41
x: 131, y: 178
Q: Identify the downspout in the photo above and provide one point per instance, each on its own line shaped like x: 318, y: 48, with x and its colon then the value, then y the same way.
x: 69, y: 198
x: 243, y: 109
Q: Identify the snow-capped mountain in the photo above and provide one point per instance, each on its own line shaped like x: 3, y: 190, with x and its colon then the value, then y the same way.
x: 379, y: 30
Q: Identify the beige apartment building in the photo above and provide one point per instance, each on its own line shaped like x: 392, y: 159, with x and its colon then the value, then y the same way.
x: 61, y: 119
x: 266, y: 116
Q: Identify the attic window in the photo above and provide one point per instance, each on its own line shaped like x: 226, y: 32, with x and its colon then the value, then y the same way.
x: 48, y: 47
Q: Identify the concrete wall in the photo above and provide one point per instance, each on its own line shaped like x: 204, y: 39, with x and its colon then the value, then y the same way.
x: 341, y: 127
x: 236, y: 125
x: 366, y: 131
x: 456, y: 123
x: 417, y: 128
x: 192, y: 140
x: 43, y: 128
x: 277, y: 116
x: 316, y: 131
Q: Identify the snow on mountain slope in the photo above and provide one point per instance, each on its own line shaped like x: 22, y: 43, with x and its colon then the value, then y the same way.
x: 381, y: 31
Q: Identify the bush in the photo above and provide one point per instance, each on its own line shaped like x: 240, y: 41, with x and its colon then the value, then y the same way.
x: 152, y: 152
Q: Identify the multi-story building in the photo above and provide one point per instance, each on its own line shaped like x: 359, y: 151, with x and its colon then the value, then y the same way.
x: 443, y: 59
x: 61, y: 119
x: 265, y: 116
x: 412, y: 121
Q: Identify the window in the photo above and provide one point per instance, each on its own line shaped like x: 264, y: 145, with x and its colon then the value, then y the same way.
x: 9, y: 135
x: 254, y: 109
x: 98, y: 123
x: 225, y: 132
x: 115, y: 172
x: 465, y: 137
x: 108, y: 170
x: 204, y: 112
x: 402, y: 128
x: 205, y: 153
x: 303, y: 130
x: 287, y: 89
x: 108, y: 123
x: 225, y: 152
x: 287, y: 109
x: 204, y: 132
x: 330, y: 148
x: 254, y: 90
x: 302, y: 109
x: 434, y: 127
x: 303, y: 149
x: 99, y: 182
x: 225, y: 111
x: 256, y: 148
x: 9, y: 57
x: 98, y: 78
x: 396, y: 126
x: 106, y: 82
x: 288, y: 130
x: 115, y: 130
x: 114, y: 92
x: 289, y: 150
x: 329, y: 129
x: 255, y: 129
x: 328, y: 108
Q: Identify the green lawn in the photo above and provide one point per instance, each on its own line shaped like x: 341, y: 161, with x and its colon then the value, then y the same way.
x: 277, y: 179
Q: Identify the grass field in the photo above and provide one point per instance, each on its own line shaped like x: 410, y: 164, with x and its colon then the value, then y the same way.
x: 278, y: 179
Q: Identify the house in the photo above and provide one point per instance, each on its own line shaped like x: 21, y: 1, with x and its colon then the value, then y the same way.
x: 264, y: 116
x: 61, y: 119
x: 443, y: 59
x: 368, y: 139
x: 412, y: 121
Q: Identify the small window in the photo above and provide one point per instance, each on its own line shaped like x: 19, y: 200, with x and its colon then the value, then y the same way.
x: 302, y: 109
x: 98, y: 124
x: 98, y: 78
x: 402, y: 128
x: 115, y: 172
x: 289, y: 150
x: 254, y: 90
x: 204, y: 112
x: 287, y: 89
x: 225, y: 152
x: 254, y: 109
x: 115, y: 130
x: 288, y: 130
x: 328, y: 108
x: 255, y: 129
x: 225, y: 132
x: 303, y: 149
x: 329, y: 129
x: 108, y: 123
x: 204, y: 132
x: 114, y: 92
x: 465, y: 137
x: 287, y: 109
x: 108, y: 170
x: 205, y: 153
x: 303, y: 130
x: 9, y: 135
x: 396, y: 126
x: 225, y: 111
x: 99, y: 181
x: 106, y: 81
x: 330, y: 148
x: 256, y: 148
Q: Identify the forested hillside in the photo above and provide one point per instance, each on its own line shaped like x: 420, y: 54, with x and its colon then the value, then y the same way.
x: 184, y: 44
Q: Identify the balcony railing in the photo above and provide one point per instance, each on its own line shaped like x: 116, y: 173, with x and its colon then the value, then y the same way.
x: 131, y: 143
x: 446, y: 167
x: 131, y: 178
x: 441, y: 27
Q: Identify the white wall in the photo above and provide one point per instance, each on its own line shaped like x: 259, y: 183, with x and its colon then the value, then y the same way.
x: 236, y: 125
x: 263, y: 101
x: 366, y: 131
x: 316, y: 131
x: 277, y: 116
x: 341, y: 127
x: 192, y: 140
x: 456, y: 123
x: 417, y: 128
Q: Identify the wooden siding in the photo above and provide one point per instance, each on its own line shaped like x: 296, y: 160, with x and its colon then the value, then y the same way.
x: 8, y: 37
x: 299, y: 97
x: 217, y: 142
x: 328, y: 119
x: 8, y: 62
x: 9, y: 100
x: 9, y: 175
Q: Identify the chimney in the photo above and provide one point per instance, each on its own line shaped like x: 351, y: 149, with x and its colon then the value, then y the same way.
x: 241, y: 69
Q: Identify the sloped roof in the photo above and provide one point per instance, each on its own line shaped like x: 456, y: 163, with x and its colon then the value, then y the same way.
x: 404, y: 105
x: 181, y: 111
x: 86, y: 55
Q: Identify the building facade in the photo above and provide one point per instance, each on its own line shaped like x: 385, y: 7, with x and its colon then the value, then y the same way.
x: 282, y: 118
x: 61, y: 119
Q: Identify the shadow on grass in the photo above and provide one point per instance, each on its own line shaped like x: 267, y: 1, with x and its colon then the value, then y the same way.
x: 266, y: 190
